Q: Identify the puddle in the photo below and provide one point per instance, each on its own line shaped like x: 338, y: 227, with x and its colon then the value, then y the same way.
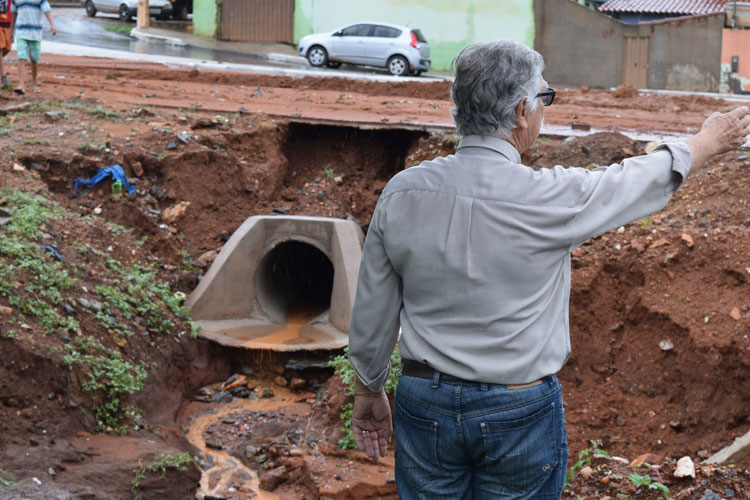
x: 226, y: 476
x: 294, y: 332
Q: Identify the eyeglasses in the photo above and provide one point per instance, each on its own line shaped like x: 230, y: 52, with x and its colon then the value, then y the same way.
x: 548, y: 96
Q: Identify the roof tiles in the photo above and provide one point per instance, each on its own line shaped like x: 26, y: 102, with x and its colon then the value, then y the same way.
x: 683, y: 7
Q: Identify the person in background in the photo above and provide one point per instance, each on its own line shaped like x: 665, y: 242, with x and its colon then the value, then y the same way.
x: 469, y: 255
x: 6, y: 37
x: 27, y: 28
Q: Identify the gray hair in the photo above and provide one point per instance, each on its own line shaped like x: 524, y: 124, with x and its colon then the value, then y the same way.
x: 490, y: 80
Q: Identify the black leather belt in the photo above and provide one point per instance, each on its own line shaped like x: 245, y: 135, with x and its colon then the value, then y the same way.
x: 412, y: 368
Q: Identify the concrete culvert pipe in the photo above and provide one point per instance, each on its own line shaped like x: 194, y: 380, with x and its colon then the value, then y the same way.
x: 294, y: 281
x: 282, y: 283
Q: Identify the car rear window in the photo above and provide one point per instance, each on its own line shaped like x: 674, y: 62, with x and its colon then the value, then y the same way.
x: 419, y: 35
x: 386, y: 32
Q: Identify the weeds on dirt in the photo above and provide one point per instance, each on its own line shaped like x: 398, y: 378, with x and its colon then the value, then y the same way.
x: 35, y: 141
x: 344, y: 368
x: 24, y: 264
x: 640, y: 481
x: 6, y: 482
x: 585, y: 456
x: 99, y: 112
x: 160, y: 464
x: 111, y: 379
x: 329, y: 172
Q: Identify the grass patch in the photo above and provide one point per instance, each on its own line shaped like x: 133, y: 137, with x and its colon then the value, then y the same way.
x: 119, y: 28
x: 344, y: 368
x: 160, y: 464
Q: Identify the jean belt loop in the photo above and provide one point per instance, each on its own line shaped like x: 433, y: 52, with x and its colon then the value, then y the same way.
x: 483, y: 387
x: 435, y: 379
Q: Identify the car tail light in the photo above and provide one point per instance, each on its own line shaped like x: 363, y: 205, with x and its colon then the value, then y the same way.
x: 414, y: 42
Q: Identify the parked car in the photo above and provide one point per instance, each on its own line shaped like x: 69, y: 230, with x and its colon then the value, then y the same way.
x: 126, y: 9
x: 401, y: 50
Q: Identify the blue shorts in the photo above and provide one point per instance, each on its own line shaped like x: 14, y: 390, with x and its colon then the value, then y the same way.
x: 28, y: 50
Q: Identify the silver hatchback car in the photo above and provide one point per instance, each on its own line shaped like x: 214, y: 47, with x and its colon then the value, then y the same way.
x: 399, y: 49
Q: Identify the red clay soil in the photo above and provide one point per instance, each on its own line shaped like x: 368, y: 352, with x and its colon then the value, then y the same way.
x: 660, y: 314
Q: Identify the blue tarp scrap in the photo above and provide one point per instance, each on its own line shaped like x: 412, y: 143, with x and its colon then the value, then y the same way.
x: 47, y: 247
x: 115, y: 171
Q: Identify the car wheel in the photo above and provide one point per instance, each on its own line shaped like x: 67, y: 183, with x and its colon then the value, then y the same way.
x: 90, y: 9
x: 317, y: 56
x: 125, y: 13
x: 163, y: 16
x: 398, y: 66
x: 333, y: 64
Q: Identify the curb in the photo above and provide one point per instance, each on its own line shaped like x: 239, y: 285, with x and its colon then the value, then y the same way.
x: 171, y: 40
x: 275, y: 56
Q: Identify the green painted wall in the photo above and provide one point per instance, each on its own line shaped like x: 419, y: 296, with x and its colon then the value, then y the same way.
x: 205, y: 17
x: 447, y: 25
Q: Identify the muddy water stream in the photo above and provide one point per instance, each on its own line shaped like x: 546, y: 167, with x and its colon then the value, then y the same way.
x: 228, y: 476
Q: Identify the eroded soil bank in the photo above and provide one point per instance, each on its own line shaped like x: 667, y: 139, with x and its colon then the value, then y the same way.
x: 660, y: 314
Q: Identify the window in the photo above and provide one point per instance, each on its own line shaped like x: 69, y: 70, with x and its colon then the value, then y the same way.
x: 357, y: 30
x: 419, y: 36
x: 386, y: 32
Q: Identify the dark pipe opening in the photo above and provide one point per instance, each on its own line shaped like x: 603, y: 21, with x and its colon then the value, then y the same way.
x: 294, y: 280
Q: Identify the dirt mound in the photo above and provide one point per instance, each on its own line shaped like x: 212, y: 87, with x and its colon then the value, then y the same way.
x: 590, y: 151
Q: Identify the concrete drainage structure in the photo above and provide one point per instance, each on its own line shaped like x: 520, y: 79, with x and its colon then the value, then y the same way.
x: 285, y: 283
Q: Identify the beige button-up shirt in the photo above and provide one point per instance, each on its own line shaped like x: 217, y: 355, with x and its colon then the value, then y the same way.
x: 470, y: 255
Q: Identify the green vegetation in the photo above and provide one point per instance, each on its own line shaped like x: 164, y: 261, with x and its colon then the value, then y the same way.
x: 40, y: 286
x: 584, y: 457
x: 98, y: 112
x: 645, y: 223
x: 111, y: 379
x: 329, y: 172
x: 119, y: 28
x: 35, y: 140
x: 160, y: 464
x: 24, y: 263
x: 640, y: 481
x: 344, y: 368
x: 192, y: 108
x: 6, y: 482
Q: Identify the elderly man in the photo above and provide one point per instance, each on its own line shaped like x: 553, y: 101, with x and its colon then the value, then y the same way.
x: 470, y: 256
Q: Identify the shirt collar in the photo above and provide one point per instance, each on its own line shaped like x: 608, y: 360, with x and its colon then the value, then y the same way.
x: 493, y: 143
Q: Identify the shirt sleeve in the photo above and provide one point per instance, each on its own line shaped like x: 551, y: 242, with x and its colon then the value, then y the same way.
x: 46, y: 9
x: 611, y: 196
x: 374, y: 327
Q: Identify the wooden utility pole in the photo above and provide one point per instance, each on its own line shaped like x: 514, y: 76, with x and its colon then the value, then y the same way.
x: 144, y: 20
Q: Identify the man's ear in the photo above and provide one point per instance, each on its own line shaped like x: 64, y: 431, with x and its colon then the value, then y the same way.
x: 521, y: 121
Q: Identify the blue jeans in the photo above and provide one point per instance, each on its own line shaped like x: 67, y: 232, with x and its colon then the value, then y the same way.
x: 461, y: 440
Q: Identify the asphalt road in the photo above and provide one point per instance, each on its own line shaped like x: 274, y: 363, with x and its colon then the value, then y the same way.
x: 106, y: 31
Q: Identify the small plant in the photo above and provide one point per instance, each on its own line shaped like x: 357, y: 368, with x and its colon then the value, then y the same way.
x: 584, y: 458
x: 329, y: 172
x: 640, y: 481
x: 344, y: 368
x: 100, y: 112
x: 6, y: 482
x: 192, y: 108
x: 35, y: 141
x: 160, y: 464
x: 645, y: 223
x: 85, y: 148
x: 109, y: 377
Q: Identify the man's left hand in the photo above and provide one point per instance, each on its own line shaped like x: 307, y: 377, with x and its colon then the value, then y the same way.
x: 371, y: 423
